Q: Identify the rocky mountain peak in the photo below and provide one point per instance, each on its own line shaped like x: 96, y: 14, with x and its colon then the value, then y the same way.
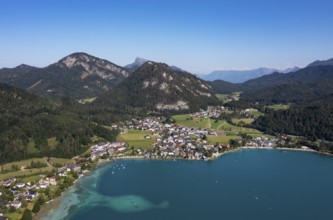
x: 93, y: 66
x: 137, y: 63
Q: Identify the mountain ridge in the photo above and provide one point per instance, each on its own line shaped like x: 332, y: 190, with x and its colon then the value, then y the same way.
x: 157, y: 87
x: 78, y: 75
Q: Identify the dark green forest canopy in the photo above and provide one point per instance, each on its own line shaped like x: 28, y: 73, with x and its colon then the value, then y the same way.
x: 32, y: 126
x: 314, y: 120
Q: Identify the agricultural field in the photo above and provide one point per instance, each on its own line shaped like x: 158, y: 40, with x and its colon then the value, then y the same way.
x: 23, y: 174
x: 193, y: 122
x: 223, y: 127
x: 61, y: 161
x: 220, y: 139
x: 226, y: 97
x: 136, y: 139
x: 242, y: 120
x: 22, y: 163
x: 28, y: 175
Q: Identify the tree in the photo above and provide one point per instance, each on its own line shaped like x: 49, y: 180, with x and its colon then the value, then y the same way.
x: 26, y: 215
x: 36, y: 207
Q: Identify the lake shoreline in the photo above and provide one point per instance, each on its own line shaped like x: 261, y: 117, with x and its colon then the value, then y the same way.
x: 55, y: 203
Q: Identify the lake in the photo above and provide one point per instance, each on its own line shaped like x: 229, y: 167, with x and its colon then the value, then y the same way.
x: 247, y: 184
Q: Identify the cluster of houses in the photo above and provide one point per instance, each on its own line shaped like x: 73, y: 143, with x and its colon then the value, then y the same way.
x: 18, y: 190
x: 183, y: 142
x: 212, y: 112
x: 262, y: 141
x: 173, y: 141
x: 152, y: 124
x: 112, y: 149
x: 29, y: 191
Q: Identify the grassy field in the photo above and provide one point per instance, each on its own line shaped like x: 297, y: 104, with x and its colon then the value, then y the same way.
x: 24, y: 173
x: 29, y: 175
x: 223, y: 126
x: 21, y: 163
x: 255, y: 112
x: 244, y: 120
x: 220, y: 139
x: 62, y: 161
x: 278, y: 107
x: 223, y: 97
x: 135, y: 138
x: 89, y: 100
x: 14, y: 215
x: 187, y: 121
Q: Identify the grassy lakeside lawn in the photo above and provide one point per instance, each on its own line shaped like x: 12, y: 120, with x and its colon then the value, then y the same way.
x: 136, y: 139
x: 188, y: 121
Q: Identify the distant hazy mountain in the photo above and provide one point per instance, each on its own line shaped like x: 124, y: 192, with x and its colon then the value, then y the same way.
x: 78, y: 75
x: 137, y: 63
x: 305, y: 84
x: 240, y: 76
x: 322, y: 63
x: 158, y: 87
x: 140, y: 61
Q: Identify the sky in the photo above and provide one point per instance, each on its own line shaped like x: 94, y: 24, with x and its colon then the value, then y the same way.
x: 199, y: 36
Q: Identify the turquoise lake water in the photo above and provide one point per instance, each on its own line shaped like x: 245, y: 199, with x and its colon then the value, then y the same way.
x: 247, y: 184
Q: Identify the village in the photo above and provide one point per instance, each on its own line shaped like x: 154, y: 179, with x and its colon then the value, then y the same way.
x: 171, y: 141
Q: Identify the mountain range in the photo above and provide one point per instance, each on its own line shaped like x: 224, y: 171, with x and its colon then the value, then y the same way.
x: 78, y: 75
x: 240, y: 76
x: 40, y: 118
x: 143, y: 84
x: 159, y: 86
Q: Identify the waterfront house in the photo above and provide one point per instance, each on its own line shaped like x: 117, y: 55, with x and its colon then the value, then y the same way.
x: 73, y: 167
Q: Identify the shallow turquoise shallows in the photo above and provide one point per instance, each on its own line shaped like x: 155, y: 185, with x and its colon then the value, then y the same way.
x: 247, y: 184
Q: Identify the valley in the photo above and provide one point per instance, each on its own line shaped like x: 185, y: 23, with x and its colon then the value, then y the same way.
x: 151, y: 111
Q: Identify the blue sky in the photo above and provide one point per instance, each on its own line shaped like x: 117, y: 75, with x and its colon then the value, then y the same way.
x: 198, y: 35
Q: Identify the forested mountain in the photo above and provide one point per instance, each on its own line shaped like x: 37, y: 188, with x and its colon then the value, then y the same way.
x: 157, y: 87
x: 241, y: 76
x: 322, y: 63
x: 78, y: 75
x: 223, y: 87
x: 238, y: 76
x: 32, y: 126
x: 314, y: 120
x: 303, y: 85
